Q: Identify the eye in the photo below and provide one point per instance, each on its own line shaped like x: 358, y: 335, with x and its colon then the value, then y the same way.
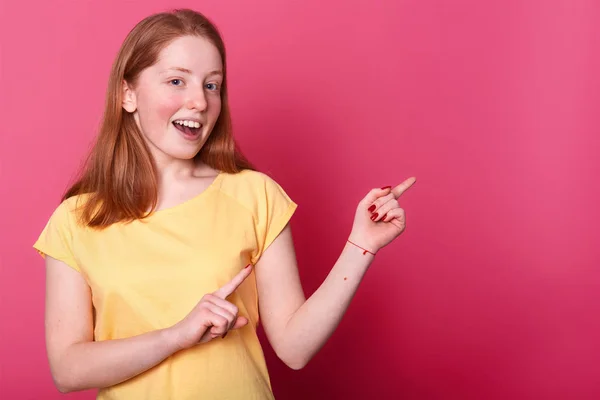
x: 212, y: 86
x: 176, y: 82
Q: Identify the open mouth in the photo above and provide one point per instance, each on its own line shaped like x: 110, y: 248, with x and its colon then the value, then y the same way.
x: 189, y: 128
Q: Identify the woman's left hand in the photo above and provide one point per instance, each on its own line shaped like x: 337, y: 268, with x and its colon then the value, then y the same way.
x: 379, y: 218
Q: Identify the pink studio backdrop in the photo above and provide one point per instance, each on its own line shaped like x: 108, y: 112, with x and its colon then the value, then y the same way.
x: 493, y: 290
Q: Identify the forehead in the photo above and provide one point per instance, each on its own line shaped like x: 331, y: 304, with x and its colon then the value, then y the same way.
x: 191, y: 52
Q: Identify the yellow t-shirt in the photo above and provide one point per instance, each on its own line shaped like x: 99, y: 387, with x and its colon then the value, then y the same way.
x: 149, y: 274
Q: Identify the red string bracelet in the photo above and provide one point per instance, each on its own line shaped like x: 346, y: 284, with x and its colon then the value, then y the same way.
x: 365, y: 250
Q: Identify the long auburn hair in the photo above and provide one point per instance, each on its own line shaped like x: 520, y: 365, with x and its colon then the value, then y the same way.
x: 119, y: 177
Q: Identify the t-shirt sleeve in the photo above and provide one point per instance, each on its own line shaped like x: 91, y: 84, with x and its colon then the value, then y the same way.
x: 56, y: 239
x: 274, y: 209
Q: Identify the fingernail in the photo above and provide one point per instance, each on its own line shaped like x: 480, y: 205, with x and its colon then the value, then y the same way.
x: 225, y: 334
x: 247, y: 266
x: 386, y: 187
x: 382, y: 218
x: 372, y: 208
x: 374, y: 217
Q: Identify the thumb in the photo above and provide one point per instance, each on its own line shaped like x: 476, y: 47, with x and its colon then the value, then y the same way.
x: 240, y: 322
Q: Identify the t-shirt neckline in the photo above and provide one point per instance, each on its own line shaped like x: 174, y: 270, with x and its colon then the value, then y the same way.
x: 191, y: 200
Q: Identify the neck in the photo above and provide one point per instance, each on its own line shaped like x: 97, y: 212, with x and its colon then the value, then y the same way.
x: 175, y: 168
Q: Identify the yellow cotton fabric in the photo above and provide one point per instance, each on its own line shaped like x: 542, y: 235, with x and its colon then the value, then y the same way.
x: 148, y: 274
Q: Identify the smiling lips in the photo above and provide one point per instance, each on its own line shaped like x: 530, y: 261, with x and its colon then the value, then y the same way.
x: 190, y: 129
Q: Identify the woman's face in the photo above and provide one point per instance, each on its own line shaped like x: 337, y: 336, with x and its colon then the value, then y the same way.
x: 177, y: 101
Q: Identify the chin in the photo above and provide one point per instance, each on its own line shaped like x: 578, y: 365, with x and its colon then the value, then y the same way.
x: 183, y: 155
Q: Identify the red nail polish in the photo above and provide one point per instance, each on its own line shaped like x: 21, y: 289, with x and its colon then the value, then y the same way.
x: 386, y: 187
x: 374, y: 217
x: 372, y: 208
x: 247, y: 266
x: 382, y: 218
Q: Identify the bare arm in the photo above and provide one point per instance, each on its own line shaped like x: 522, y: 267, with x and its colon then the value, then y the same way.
x: 297, y: 328
x: 78, y: 363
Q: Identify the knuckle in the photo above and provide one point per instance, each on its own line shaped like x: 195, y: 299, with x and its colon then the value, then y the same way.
x: 216, y: 331
x: 372, y: 193
x: 229, y: 316
x: 203, y: 305
x: 204, y: 313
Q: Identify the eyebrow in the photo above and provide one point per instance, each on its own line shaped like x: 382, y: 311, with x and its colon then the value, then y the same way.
x: 187, y: 71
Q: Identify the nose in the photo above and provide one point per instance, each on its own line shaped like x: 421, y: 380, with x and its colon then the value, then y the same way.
x: 197, y: 100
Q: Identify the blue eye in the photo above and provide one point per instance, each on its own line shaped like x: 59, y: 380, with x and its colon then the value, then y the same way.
x: 176, y: 82
x: 212, y: 86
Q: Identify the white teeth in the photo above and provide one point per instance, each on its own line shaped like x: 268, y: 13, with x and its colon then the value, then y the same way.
x: 191, y: 124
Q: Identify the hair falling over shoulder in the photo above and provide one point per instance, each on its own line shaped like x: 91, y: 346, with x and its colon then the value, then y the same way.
x: 119, y: 178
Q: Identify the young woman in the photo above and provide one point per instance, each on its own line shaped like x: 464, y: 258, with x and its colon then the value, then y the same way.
x: 162, y: 256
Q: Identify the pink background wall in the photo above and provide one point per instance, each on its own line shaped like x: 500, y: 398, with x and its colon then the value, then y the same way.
x: 493, y: 290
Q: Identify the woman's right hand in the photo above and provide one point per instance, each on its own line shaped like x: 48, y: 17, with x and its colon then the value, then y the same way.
x: 212, y: 317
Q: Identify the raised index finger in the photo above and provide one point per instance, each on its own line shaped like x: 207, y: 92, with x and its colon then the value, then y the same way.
x: 224, y: 291
x: 403, y: 187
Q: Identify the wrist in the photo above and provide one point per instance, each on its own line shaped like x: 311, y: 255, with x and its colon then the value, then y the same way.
x: 358, y: 261
x: 171, y: 337
x: 362, y: 245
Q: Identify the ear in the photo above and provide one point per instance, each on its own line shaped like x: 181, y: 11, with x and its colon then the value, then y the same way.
x: 129, y: 101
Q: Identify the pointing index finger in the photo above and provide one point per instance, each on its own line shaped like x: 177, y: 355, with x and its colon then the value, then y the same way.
x: 403, y: 187
x: 225, y: 291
